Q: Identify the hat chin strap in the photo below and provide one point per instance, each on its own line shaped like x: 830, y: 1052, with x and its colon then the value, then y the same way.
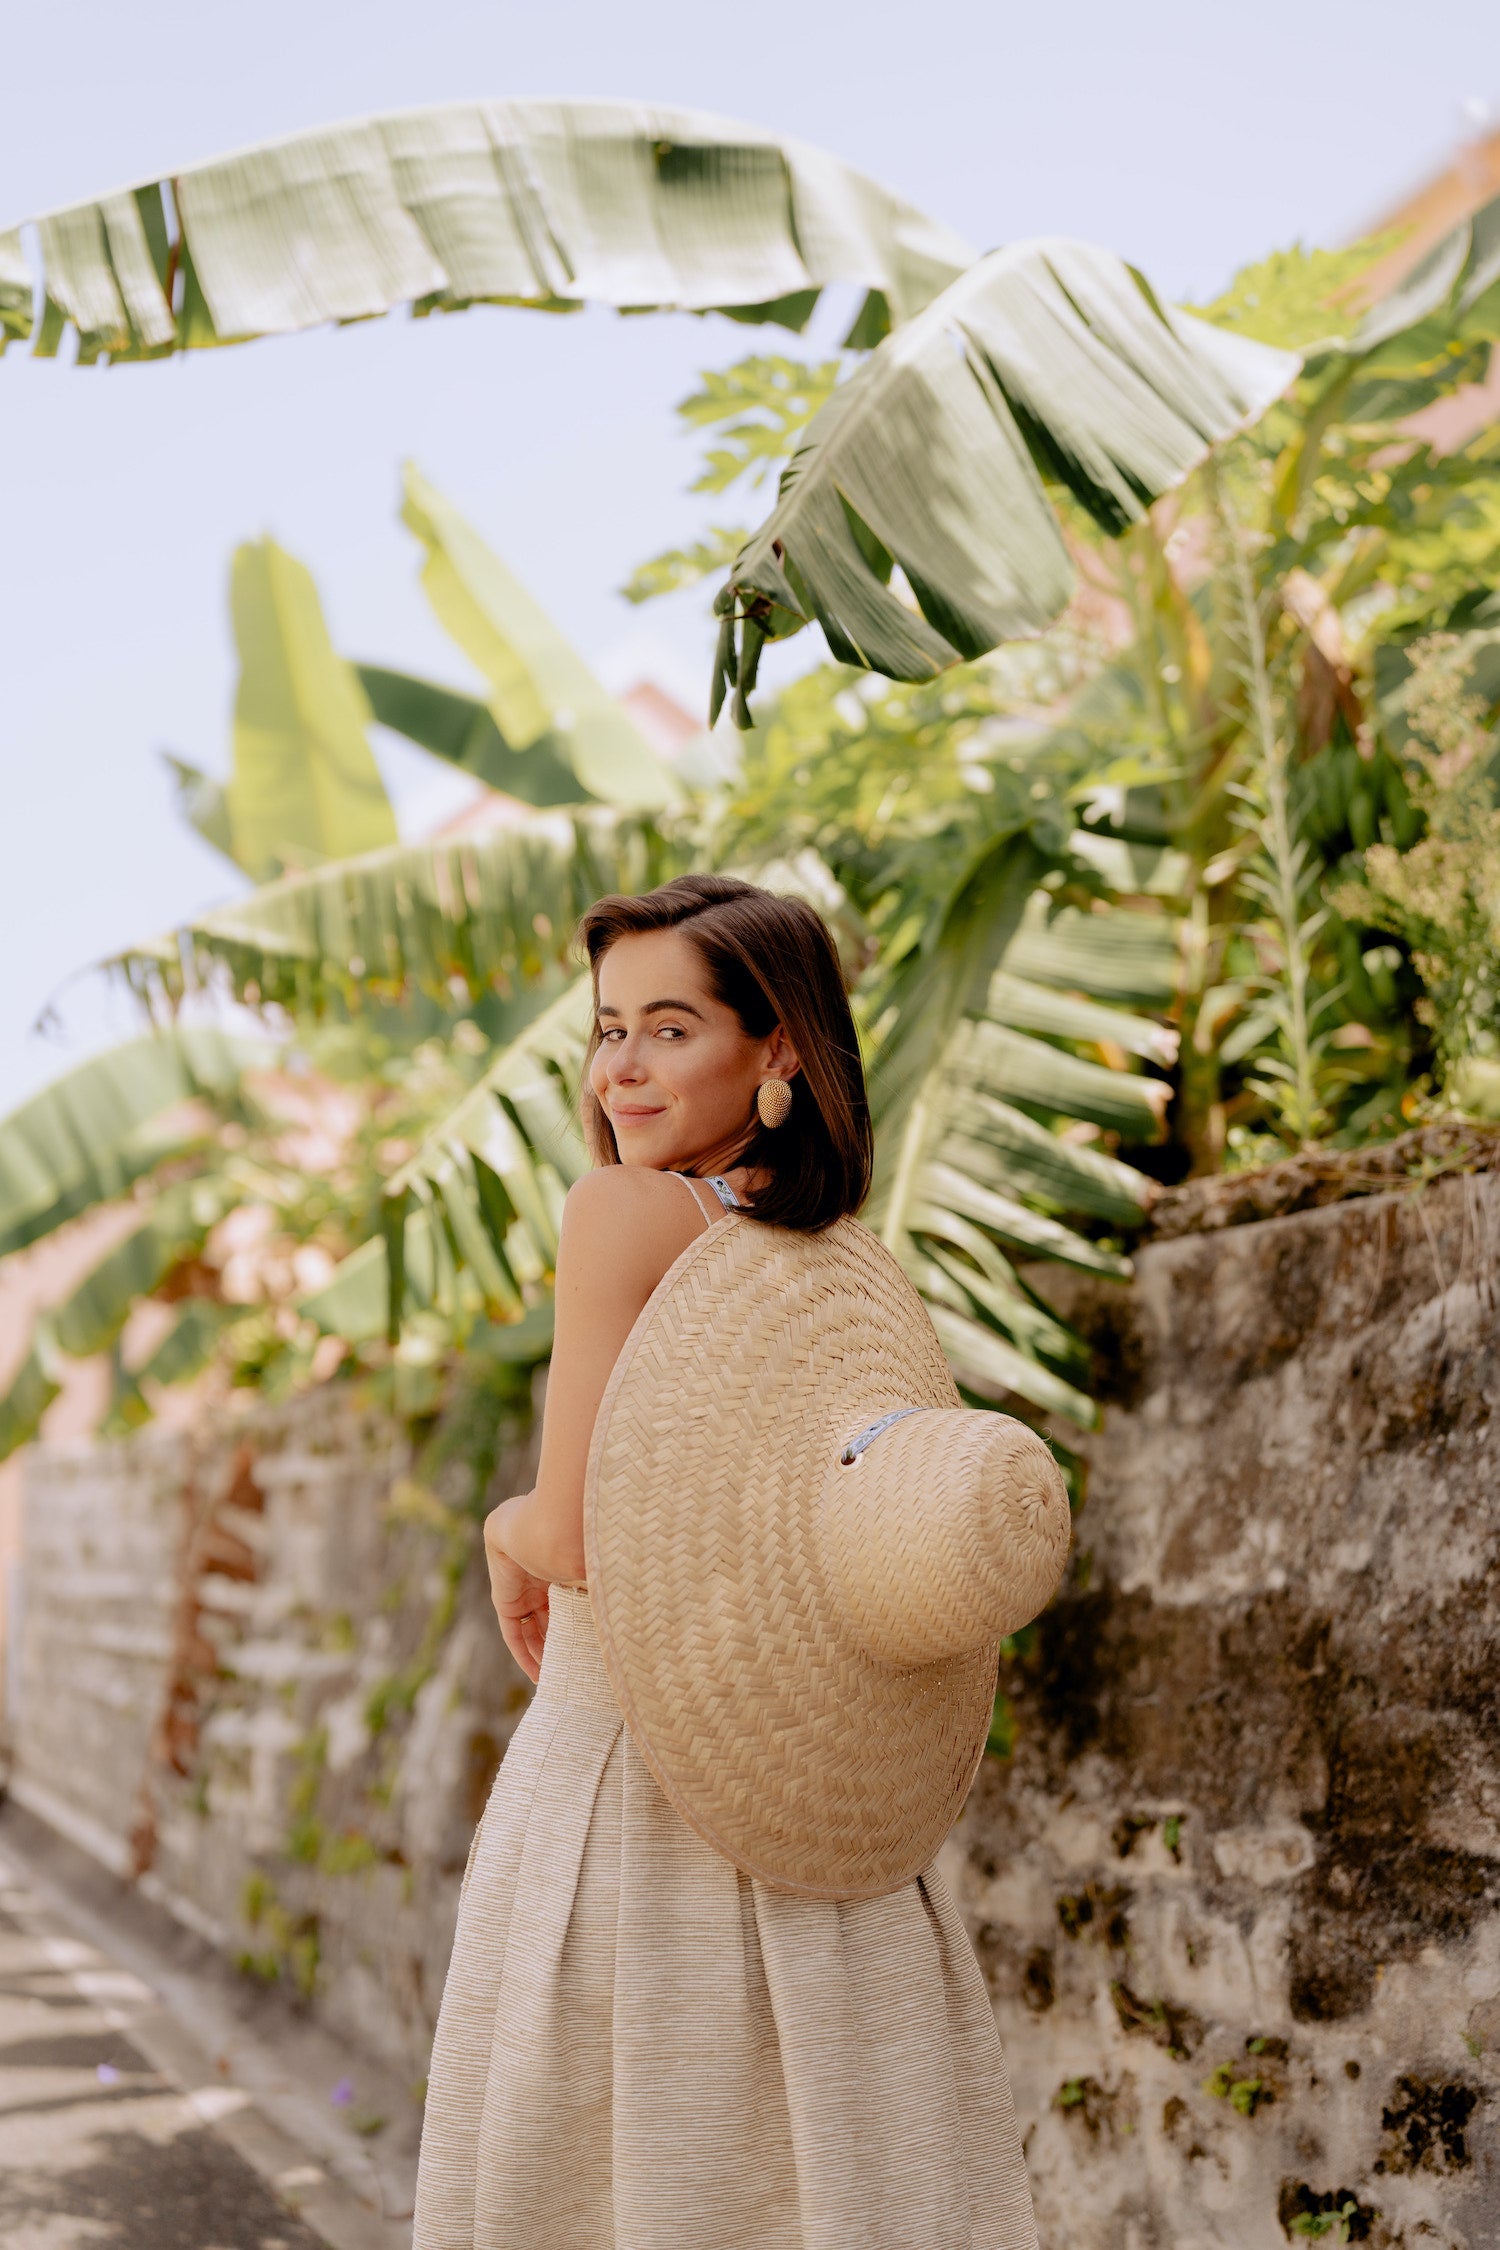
x: 867, y: 1437
x: 948, y: 1537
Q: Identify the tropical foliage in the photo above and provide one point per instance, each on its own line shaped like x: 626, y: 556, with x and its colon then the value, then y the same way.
x: 1048, y: 359
x: 1207, y: 867
x: 1234, y: 731
x: 542, y: 203
x: 389, y: 1181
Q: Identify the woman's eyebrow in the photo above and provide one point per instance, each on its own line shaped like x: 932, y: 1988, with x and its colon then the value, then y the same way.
x: 656, y: 1008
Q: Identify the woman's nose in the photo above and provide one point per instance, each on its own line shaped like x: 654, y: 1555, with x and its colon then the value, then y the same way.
x: 624, y: 1063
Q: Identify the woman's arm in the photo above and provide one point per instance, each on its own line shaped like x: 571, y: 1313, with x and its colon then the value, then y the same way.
x: 623, y: 1226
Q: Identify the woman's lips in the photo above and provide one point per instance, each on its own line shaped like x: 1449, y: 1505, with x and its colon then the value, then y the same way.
x: 626, y: 1116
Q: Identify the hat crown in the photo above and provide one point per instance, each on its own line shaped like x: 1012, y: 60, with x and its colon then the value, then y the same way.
x: 948, y: 1532
x: 729, y: 1600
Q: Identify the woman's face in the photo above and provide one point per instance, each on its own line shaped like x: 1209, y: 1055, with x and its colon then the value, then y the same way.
x: 676, y: 1072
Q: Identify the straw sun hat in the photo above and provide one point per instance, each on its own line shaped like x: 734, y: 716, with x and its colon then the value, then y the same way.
x: 802, y: 1552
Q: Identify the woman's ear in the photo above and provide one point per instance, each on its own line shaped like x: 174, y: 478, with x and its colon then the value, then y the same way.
x: 781, y: 1055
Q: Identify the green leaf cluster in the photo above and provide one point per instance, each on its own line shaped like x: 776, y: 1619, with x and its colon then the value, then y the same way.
x: 1107, y: 907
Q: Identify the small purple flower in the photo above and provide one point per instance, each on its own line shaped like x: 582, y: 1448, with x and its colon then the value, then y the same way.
x: 343, y: 2093
x: 107, y: 2074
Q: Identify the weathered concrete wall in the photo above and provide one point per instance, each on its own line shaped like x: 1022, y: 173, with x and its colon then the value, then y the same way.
x: 1238, y: 1889
x: 259, y: 1673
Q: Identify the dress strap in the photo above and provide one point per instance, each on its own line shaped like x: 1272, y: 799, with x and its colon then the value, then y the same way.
x: 722, y: 1189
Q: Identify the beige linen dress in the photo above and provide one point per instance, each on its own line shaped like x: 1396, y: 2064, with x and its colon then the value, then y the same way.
x: 640, y: 2048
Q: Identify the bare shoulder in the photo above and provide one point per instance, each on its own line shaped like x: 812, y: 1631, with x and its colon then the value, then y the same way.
x: 624, y: 1225
x: 624, y: 1195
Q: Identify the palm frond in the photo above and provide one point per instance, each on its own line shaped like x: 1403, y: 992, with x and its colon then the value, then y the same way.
x: 1460, y: 269
x: 93, y: 1132
x: 30, y: 1392
x: 484, y: 1192
x: 305, y: 786
x: 189, y: 1344
x: 1126, y: 958
x: 971, y: 1171
x: 543, y: 697
x: 461, y: 730
x: 355, y: 1302
x: 485, y: 912
x: 543, y: 203
x: 91, y: 1318
x: 1030, y: 1007
x: 1049, y: 360
x: 918, y: 1006
x: 470, y: 1221
x: 203, y: 804
x: 176, y: 1224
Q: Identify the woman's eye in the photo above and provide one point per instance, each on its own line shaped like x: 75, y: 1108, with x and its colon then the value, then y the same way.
x: 613, y: 1032
x: 669, y: 1031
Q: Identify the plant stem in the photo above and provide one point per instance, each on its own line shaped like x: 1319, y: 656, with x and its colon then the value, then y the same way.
x: 1277, y: 837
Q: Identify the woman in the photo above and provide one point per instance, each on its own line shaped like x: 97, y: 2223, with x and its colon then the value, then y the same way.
x: 641, y: 2044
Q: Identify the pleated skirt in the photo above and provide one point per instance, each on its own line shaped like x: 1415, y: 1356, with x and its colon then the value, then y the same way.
x: 641, y: 2048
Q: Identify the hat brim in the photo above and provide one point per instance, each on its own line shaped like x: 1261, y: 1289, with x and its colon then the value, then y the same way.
x: 774, y: 1734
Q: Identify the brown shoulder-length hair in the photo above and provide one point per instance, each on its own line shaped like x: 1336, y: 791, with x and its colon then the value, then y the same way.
x: 772, y: 961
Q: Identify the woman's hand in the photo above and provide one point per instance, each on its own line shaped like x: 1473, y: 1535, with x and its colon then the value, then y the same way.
x: 519, y: 1597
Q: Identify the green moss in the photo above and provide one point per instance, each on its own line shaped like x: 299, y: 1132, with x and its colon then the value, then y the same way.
x: 1319, y: 2223
x: 265, y: 1968
x: 304, y: 1839
x: 257, y: 1895
x: 338, y: 1634
x: 350, y: 1853
x: 1247, y: 2095
x: 290, y: 1952
x: 1001, y: 1739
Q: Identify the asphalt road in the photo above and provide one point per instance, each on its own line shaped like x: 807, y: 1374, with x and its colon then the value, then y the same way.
x: 115, y: 2133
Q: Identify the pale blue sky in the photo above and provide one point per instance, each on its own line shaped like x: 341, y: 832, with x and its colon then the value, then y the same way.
x: 1190, y: 137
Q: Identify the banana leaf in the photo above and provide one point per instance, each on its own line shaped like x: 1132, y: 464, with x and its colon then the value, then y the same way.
x: 461, y: 731
x: 1051, y: 360
x: 930, y: 992
x: 487, y: 1183
x: 487, y: 912
x: 176, y: 1225
x: 85, y: 1138
x: 189, y: 1343
x: 971, y: 1172
x: 305, y: 785
x: 203, y: 804
x: 1451, y: 279
x: 1029, y: 1007
x: 91, y: 1318
x: 544, y: 700
x: 355, y: 1302
x: 31, y: 1391
x: 1049, y: 1078
x: 543, y: 203
x: 470, y: 1221
x: 1121, y: 956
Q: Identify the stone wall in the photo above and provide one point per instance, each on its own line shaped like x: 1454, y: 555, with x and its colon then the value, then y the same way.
x: 1237, y: 1887
x: 258, y: 1674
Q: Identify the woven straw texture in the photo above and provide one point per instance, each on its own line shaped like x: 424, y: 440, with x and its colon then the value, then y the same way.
x: 640, y: 2047
x: 793, y: 1643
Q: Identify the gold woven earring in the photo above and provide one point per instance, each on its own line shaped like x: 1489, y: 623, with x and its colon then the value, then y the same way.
x: 773, y: 1101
